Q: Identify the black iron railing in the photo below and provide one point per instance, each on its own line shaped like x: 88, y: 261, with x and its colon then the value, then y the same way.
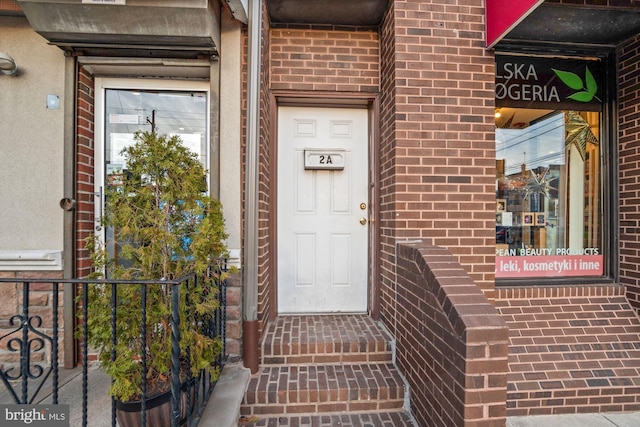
x: 29, y: 379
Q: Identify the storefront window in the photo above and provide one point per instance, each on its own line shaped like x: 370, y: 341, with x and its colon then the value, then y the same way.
x: 548, y: 162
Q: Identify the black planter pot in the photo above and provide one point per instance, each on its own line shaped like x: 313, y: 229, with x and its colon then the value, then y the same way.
x: 158, y: 409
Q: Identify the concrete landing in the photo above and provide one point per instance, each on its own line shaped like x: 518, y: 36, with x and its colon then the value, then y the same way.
x: 627, y: 419
x: 222, y: 410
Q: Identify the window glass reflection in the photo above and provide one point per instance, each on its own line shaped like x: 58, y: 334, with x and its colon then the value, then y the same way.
x: 548, y: 193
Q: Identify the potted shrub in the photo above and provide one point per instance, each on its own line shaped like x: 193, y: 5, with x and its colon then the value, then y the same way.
x: 164, y: 227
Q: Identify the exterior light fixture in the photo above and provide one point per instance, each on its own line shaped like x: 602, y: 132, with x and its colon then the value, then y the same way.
x: 7, y: 65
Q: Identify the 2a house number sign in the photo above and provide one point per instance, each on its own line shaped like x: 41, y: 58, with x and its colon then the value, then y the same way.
x: 323, y: 159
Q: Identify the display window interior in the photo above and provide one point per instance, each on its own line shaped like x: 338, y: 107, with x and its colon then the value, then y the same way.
x: 548, y: 193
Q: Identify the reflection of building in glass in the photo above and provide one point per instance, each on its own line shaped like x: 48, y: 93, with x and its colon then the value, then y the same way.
x: 547, y: 182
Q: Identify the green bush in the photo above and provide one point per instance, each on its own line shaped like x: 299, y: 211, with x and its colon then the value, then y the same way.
x: 164, y: 227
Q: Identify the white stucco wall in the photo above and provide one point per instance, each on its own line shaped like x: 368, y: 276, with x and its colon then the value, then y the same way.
x: 230, y: 132
x: 31, y: 143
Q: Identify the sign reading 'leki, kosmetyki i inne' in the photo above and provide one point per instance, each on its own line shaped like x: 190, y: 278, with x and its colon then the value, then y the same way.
x: 549, y: 83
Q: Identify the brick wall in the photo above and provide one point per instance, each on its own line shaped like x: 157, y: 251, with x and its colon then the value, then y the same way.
x: 234, y: 318
x: 629, y: 167
x: 85, y: 176
x: 305, y: 60
x: 437, y: 136
x: 572, y: 349
x: 40, y: 305
x: 437, y: 150
x: 387, y: 203
x: 324, y: 60
x: 9, y: 7
x: 451, y: 342
x: 85, y: 169
x: 266, y: 285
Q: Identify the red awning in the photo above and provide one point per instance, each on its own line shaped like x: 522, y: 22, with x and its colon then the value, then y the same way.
x: 503, y: 15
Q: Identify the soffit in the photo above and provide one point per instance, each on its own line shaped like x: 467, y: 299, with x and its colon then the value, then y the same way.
x: 166, y: 28
x: 366, y: 13
x: 147, y: 67
x: 576, y: 25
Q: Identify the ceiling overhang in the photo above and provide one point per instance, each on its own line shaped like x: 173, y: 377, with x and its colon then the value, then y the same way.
x: 159, y: 68
x: 564, y: 24
x: 168, y: 28
x: 366, y: 13
x: 239, y: 9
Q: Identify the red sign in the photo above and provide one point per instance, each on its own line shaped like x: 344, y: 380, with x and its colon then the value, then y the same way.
x: 503, y: 15
x: 549, y: 265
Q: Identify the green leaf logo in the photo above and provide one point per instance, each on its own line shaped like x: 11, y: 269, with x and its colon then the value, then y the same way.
x: 587, y: 89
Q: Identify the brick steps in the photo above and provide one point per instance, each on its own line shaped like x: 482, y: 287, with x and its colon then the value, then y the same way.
x: 312, y: 389
x: 387, y: 419
x: 324, y: 339
x: 318, y: 368
x: 571, y: 350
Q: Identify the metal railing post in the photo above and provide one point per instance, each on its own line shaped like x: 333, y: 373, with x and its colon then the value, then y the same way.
x: 54, y: 343
x: 114, y: 340
x: 85, y: 351
x: 143, y: 349
x: 175, y: 355
x: 24, y: 348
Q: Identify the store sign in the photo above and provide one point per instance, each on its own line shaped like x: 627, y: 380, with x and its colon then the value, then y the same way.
x: 549, y: 83
x: 503, y: 15
x: 549, y: 266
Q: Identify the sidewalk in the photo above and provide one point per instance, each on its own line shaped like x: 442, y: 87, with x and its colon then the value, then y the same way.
x: 232, y: 386
x: 70, y: 392
x: 609, y: 419
x: 223, y: 409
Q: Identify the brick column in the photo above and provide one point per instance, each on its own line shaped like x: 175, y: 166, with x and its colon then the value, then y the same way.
x: 437, y: 136
x: 629, y: 167
x: 85, y: 172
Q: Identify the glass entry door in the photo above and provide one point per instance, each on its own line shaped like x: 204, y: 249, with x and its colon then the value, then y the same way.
x: 126, y: 110
x: 165, y: 112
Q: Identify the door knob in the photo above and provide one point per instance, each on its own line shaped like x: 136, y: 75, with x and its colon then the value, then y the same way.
x: 363, y: 220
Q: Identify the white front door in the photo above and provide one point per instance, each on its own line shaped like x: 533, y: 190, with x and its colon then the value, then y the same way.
x: 322, y: 210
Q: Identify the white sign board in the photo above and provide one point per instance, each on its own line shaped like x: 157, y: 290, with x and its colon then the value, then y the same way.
x: 119, y: 141
x: 127, y: 119
x: 323, y: 159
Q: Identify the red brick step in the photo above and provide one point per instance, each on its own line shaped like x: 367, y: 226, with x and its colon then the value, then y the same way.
x: 385, y: 419
x: 312, y: 389
x: 324, y: 339
x: 319, y: 368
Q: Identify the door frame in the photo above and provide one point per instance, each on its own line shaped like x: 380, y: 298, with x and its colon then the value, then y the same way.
x: 328, y: 100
